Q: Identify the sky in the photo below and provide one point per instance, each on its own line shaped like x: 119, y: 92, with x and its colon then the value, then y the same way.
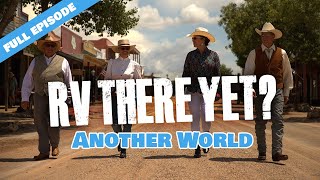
x: 160, y: 35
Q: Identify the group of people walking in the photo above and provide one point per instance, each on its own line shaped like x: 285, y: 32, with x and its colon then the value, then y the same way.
x: 267, y: 58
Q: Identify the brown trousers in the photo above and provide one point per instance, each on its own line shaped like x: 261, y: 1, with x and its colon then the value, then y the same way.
x: 47, y: 135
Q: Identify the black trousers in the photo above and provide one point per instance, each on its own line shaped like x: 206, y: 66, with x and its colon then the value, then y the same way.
x: 115, y: 126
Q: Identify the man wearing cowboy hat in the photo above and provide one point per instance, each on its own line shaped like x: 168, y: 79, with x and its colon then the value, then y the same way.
x: 272, y: 60
x: 43, y: 69
x: 121, y: 68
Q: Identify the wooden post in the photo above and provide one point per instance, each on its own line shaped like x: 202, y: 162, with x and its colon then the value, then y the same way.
x: 305, y: 84
x: 6, y: 81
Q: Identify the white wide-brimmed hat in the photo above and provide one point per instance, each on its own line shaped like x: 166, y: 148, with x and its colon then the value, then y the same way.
x: 268, y: 27
x: 201, y: 31
x: 122, y: 43
x: 49, y: 39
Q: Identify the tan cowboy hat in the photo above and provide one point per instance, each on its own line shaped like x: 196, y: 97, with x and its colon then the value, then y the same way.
x: 268, y: 27
x: 200, y: 31
x: 122, y: 42
x: 48, y: 39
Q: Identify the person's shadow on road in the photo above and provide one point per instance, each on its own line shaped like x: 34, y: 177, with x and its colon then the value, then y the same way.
x: 230, y: 159
x: 15, y: 159
x: 22, y: 159
x: 168, y: 157
x: 97, y: 157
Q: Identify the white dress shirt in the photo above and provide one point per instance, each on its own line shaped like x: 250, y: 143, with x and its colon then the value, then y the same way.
x: 121, y: 68
x: 28, y: 85
x: 287, y: 72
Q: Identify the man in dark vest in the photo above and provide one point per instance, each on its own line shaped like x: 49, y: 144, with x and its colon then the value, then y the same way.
x: 272, y: 60
x: 45, y: 68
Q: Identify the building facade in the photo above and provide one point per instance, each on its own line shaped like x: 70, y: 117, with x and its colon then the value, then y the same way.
x: 306, y: 83
x: 17, y: 64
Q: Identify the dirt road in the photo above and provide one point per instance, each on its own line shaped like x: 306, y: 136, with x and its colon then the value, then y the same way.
x: 301, y: 143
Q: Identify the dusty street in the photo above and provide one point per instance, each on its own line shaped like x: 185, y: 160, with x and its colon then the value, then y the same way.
x: 301, y: 143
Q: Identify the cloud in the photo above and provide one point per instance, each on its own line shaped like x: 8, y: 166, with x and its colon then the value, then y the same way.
x: 167, y: 58
x: 174, y: 6
x: 150, y: 17
x: 195, y: 14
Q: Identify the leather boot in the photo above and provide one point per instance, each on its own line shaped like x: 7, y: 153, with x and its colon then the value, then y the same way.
x: 123, y: 153
x: 55, y: 151
x: 262, y: 156
x: 205, y: 150
x: 279, y: 157
x: 41, y: 157
x: 197, y: 152
x: 119, y: 146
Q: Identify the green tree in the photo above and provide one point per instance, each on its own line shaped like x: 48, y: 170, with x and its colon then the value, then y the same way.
x: 105, y: 16
x: 299, y: 20
x: 225, y: 71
